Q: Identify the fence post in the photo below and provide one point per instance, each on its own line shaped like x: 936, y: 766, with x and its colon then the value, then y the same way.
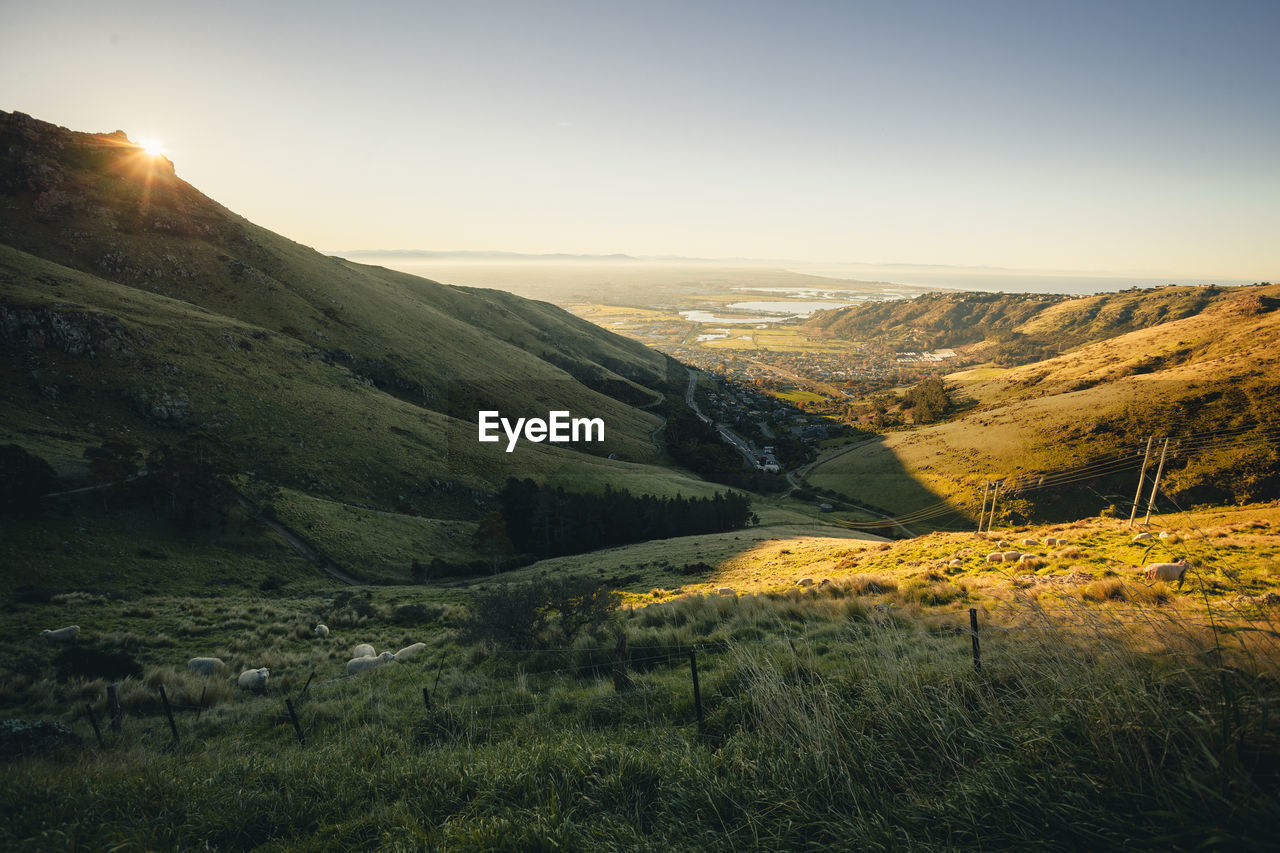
x: 200, y: 704
x: 621, y: 680
x: 697, y: 693
x: 113, y: 701
x: 426, y: 698
x: 293, y: 715
x: 973, y: 631
x: 308, y: 684
x: 88, y: 709
x: 168, y: 712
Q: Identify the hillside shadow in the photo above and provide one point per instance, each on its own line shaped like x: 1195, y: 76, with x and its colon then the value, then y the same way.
x: 868, y: 475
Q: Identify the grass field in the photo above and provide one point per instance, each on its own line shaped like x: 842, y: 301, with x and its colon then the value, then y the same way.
x: 1108, y: 712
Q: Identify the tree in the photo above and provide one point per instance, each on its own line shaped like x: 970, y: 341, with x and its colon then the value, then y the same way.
x: 929, y: 400
x: 193, y: 479
x: 491, y: 540
x: 113, y: 464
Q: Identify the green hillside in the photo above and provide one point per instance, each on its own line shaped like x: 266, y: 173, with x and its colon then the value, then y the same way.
x: 1067, y: 433
x: 135, y: 310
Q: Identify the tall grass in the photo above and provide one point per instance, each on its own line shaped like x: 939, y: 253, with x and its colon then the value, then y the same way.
x: 832, y: 721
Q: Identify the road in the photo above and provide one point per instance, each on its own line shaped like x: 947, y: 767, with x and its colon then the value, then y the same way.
x: 729, y: 436
x: 310, y: 554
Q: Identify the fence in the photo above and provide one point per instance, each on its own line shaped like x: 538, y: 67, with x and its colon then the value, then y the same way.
x: 1232, y: 636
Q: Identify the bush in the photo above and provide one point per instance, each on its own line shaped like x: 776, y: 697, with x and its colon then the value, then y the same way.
x: 23, y: 737
x: 86, y: 662
x: 518, y: 615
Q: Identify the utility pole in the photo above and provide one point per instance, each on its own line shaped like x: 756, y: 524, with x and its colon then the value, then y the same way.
x: 982, y: 513
x: 1137, y: 496
x: 1156, y: 485
x: 994, y: 497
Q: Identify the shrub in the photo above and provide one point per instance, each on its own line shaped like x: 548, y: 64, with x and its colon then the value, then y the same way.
x: 24, y: 737
x: 516, y: 615
x: 87, y: 662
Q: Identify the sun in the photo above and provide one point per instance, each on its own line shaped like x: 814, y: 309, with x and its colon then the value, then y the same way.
x: 152, y: 147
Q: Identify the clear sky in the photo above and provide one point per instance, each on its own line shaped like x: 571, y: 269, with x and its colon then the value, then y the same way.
x: 1121, y: 136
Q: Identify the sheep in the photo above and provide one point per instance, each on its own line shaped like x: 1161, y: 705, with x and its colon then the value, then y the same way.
x: 254, y: 679
x: 1012, y: 556
x: 364, y: 650
x: 1050, y: 541
x: 205, y: 666
x: 322, y: 631
x: 364, y: 664
x: 409, y: 651
x: 61, y: 635
x: 1170, y: 538
x: 1167, y: 571
x: 995, y: 557
x: 1026, y: 558
x: 956, y: 563
x: 1031, y: 543
x: 805, y: 581
x: 725, y: 590
x: 1142, y: 537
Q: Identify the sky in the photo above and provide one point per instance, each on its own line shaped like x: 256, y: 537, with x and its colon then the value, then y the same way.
x: 1118, y: 137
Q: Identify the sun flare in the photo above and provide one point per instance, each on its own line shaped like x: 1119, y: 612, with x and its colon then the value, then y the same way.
x: 152, y: 147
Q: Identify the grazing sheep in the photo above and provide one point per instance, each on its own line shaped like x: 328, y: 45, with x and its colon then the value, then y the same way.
x: 322, y: 631
x: 805, y: 581
x: 1170, y: 538
x: 956, y: 563
x: 364, y: 664
x: 1026, y: 558
x: 62, y: 635
x: 1050, y: 541
x: 254, y: 679
x: 1167, y: 571
x: 1002, y: 543
x: 1142, y: 537
x: 364, y: 650
x: 1031, y: 543
x: 410, y: 651
x: 995, y: 557
x: 725, y: 590
x: 205, y: 666
x: 1012, y: 556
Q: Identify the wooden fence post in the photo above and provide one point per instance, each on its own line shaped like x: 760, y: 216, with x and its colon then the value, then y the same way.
x: 308, y: 684
x: 293, y: 715
x: 973, y: 632
x: 426, y: 698
x: 113, y: 701
x: 168, y: 712
x: 697, y: 693
x: 88, y: 709
x: 621, y: 679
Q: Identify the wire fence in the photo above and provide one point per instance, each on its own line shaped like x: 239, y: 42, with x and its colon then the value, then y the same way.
x: 1221, y: 635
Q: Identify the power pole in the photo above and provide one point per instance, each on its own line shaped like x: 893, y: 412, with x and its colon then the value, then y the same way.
x: 1156, y: 485
x: 1137, y: 496
x: 982, y: 513
x: 994, y: 497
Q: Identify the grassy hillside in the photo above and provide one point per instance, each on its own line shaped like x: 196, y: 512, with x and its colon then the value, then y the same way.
x: 1080, y: 420
x: 133, y: 309
x: 1108, y: 711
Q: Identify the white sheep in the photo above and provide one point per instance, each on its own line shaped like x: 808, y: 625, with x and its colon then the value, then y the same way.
x: 410, y: 651
x: 805, y: 581
x: 1142, y: 537
x: 956, y: 563
x: 725, y: 590
x: 1167, y: 571
x: 364, y: 664
x: 254, y: 679
x: 322, y: 631
x: 61, y: 635
x: 1031, y: 543
x: 205, y: 666
x: 1012, y: 556
x: 364, y: 650
x: 1026, y: 558
x: 1050, y: 541
x: 995, y: 557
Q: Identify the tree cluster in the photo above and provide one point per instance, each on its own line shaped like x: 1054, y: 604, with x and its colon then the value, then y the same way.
x: 553, y: 608
x: 547, y: 521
